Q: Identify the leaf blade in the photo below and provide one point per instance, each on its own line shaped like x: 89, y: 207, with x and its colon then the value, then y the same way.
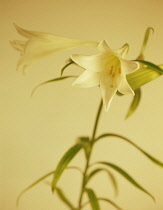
x: 32, y: 185
x: 151, y: 66
x: 142, y: 76
x: 64, y: 199
x: 93, y: 199
x: 76, y: 168
x: 67, y: 65
x: 127, y: 177
x: 135, y: 103
x: 111, y: 176
x: 111, y: 202
x: 67, y: 157
x: 50, y: 81
x: 146, y: 37
x: 40, y: 180
x: 154, y: 160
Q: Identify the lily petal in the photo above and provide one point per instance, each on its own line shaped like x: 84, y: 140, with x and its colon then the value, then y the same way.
x: 38, y: 48
x: 108, y: 90
x: 18, y: 45
x: 123, y: 50
x: 95, y: 63
x: 87, y: 79
x: 104, y: 47
x: 110, y: 69
x: 128, y: 66
x: 27, y: 33
x: 124, y: 87
x: 40, y: 45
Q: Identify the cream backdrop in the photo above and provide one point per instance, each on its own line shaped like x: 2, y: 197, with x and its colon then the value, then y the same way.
x: 35, y: 132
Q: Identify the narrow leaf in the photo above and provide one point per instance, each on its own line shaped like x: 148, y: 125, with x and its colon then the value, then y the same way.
x: 154, y: 160
x: 111, y: 202
x: 68, y: 64
x: 146, y: 37
x: 141, y: 77
x: 151, y: 66
x: 126, y: 176
x: 50, y: 81
x: 104, y: 199
x: 65, y: 200
x: 68, y: 156
x: 135, y: 103
x: 33, y: 184
x: 41, y: 179
x: 76, y: 168
x: 111, y: 176
x: 93, y: 173
x: 86, y: 144
x: 93, y: 199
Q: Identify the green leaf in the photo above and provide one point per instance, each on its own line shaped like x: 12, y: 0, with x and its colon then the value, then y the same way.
x: 68, y: 64
x: 65, y: 200
x: 68, y: 156
x: 50, y: 81
x: 33, y: 184
x: 126, y: 176
x: 92, y: 199
x: 76, y: 168
x: 154, y: 160
x: 107, y: 200
x: 142, y: 76
x: 111, y: 176
x: 86, y: 144
x: 135, y: 103
x: 111, y: 202
x: 146, y: 37
x: 93, y: 173
x: 151, y: 66
x: 41, y: 179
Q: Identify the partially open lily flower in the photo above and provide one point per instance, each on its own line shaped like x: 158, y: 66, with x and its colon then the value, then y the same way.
x: 107, y: 69
x: 39, y: 45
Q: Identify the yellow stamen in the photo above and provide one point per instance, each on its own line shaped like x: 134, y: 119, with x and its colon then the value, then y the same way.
x: 111, y: 70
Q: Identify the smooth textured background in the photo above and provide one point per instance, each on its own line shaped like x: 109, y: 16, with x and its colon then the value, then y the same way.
x: 35, y: 132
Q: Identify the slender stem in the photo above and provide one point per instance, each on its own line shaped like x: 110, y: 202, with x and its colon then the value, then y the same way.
x: 96, y: 121
x: 84, y: 181
x: 89, y: 155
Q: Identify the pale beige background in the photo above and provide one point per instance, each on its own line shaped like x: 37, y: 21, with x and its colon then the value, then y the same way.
x: 36, y: 132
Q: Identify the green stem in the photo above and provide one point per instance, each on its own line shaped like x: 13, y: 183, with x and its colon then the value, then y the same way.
x: 97, y: 120
x: 89, y: 155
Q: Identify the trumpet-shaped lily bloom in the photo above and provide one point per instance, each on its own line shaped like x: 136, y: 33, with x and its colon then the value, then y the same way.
x: 107, y: 69
x: 39, y: 45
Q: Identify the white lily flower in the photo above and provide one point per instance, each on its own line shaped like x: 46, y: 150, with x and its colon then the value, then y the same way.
x: 107, y: 69
x: 40, y: 45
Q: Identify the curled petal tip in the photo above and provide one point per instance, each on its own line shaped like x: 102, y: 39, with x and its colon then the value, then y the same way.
x: 126, y: 46
x: 125, y: 49
x: 16, y: 26
x: 150, y: 28
x: 138, y: 66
